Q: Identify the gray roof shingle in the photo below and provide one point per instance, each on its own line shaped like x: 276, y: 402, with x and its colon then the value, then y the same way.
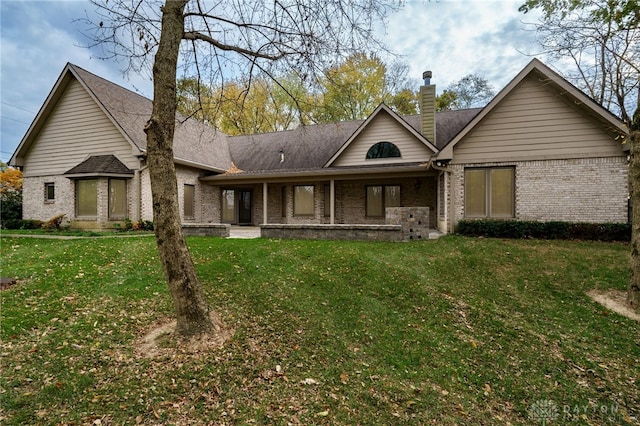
x: 194, y: 141
x: 310, y: 147
x: 100, y: 164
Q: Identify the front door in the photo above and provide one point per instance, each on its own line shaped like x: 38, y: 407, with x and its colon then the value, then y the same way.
x: 244, y: 207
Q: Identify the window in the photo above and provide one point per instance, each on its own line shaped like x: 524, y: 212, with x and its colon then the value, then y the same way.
x: 87, y: 198
x: 489, y: 192
x: 380, y: 197
x: 189, y: 201
x: 49, y: 192
x: 228, y: 206
x: 303, y: 200
x: 383, y: 150
x: 117, y: 198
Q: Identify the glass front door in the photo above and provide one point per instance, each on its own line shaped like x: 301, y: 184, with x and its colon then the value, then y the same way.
x: 244, y: 207
x: 236, y: 206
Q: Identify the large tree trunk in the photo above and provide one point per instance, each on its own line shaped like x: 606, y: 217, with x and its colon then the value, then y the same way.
x: 633, y: 294
x: 192, y: 309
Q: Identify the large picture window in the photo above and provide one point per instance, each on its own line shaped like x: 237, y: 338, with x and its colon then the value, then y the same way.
x: 87, y: 198
x: 189, y: 201
x: 489, y: 192
x: 303, y: 200
x: 117, y: 198
x: 380, y: 197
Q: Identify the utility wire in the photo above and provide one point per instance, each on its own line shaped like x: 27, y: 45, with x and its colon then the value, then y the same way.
x: 17, y: 107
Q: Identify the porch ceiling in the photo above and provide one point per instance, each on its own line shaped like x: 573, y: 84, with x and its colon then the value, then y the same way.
x: 340, y: 173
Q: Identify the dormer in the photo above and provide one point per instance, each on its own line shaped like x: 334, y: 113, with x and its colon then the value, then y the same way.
x: 383, y: 138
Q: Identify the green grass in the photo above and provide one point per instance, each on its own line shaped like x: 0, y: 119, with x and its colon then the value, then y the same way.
x: 66, y: 232
x: 454, y: 331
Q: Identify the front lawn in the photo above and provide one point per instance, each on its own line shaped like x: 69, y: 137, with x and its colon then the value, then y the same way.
x: 447, y: 332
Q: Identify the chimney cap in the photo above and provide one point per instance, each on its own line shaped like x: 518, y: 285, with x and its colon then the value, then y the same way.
x: 426, y: 76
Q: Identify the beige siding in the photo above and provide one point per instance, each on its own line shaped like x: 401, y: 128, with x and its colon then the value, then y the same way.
x: 76, y: 129
x: 534, y: 123
x: 384, y: 129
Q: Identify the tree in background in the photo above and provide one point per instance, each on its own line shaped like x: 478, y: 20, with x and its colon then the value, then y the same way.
x: 243, y: 106
x: 602, y: 41
x: 214, y: 40
x: 10, y: 194
x: 446, y: 101
x: 469, y: 92
x: 350, y: 90
x: 602, y: 38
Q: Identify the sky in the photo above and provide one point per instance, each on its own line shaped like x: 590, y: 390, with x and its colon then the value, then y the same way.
x: 451, y: 38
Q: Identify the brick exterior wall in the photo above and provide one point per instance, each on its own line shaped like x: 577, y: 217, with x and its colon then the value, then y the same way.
x: 414, y: 221
x: 34, y: 205
x: 350, y: 201
x: 333, y: 232
x: 574, y: 190
x: 138, y: 188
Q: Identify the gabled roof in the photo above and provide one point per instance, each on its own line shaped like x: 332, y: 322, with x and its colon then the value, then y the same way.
x: 309, y: 148
x: 100, y: 165
x: 382, y: 108
x: 195, y: 143
x: 552, y: 79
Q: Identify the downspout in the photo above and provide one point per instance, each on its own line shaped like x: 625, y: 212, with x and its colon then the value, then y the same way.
x: 332, y: 200
x: 443, y: 169
x: 265, y: 202
x: 139, y: 179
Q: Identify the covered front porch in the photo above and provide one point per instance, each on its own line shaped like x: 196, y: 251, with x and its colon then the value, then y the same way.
x: 343, y: 204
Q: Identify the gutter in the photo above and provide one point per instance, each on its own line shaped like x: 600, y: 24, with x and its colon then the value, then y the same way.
x: 353, y: 173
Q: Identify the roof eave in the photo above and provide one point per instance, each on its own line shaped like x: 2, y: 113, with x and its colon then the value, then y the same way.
x: 197, y: 165
x: 325, y: 172
x: 446, y: 153
x: 98, y: 174
x: 135, y: 149
x: 17, y: 159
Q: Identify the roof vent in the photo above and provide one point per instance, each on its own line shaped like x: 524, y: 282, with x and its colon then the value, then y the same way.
x: 426, y: 76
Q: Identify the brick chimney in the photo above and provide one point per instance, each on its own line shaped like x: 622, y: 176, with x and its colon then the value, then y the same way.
x: 428, y: 108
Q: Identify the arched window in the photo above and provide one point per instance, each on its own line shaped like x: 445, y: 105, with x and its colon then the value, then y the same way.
x: 383, y: 150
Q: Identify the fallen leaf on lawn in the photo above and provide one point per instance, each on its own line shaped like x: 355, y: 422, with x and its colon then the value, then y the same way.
x: 322, y: 413
x: 344, y: 378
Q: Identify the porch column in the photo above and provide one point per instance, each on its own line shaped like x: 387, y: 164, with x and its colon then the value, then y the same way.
x: 332, y: 201
x: 264, y: 202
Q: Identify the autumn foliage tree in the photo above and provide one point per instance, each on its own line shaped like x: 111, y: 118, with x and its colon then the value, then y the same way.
x: 354, y: 88
x: 244, y: 106
x: 10, y: 194
x: 349, y: 90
